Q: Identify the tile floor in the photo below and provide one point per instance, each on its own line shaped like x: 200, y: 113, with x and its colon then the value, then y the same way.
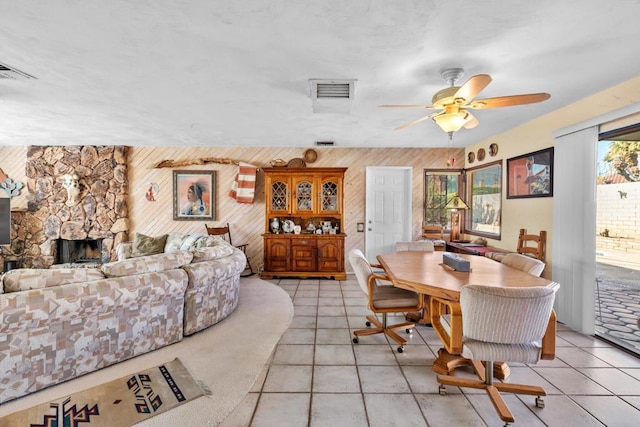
x: 317, y: 377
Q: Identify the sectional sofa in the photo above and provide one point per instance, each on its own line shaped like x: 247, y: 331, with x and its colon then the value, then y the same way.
x: 60, y: 323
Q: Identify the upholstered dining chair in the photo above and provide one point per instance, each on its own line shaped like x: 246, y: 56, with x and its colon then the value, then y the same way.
x: 506, y: 324
x: 382, y: 299
x: 416, y: 245
x: 524, y: 263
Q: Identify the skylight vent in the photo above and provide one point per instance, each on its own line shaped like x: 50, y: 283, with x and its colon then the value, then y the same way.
x: 7, y: 72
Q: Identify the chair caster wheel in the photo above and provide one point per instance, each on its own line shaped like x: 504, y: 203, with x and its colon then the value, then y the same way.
x: 408, y: 330
x: 368, y: 324
x: 539, y: 402
x: 356, y: 340
x: 400, y: 349
x: 442, y: 390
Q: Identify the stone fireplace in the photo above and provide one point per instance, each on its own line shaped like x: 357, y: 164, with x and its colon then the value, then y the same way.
x: 86, y: 251
x: 96, y: 212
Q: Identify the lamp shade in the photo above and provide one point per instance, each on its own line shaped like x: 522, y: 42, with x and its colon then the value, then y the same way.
x: 451, y: 122
x: 456, y: 203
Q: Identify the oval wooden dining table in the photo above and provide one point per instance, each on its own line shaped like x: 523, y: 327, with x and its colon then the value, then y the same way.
x: 424, y: 273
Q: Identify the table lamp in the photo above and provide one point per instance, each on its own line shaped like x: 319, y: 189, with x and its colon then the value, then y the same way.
x: 455, y: 204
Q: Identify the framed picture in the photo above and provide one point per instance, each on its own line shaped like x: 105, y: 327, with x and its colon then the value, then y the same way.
x: 194, y: 195
x: 530, y: 175
x: 484, y: 197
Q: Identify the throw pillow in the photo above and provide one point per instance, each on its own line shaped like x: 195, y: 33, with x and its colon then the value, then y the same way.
x: 190, y: 241
x: 146, y: 245
x: 174, y: 242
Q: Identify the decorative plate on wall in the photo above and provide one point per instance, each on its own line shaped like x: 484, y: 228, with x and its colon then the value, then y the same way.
x: 481, y: 154
x: 471, y: 157
x: 493, y: 149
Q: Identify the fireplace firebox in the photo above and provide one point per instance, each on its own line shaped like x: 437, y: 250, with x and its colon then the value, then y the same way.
x: 79, y: 251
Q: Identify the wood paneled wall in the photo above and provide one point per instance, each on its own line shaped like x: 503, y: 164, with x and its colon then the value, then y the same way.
x: 247, y: 221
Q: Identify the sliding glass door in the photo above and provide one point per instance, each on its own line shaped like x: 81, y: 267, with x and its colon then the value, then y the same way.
x: 617, y: 287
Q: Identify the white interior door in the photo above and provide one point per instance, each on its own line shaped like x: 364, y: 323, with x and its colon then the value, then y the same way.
x: 388, y: 209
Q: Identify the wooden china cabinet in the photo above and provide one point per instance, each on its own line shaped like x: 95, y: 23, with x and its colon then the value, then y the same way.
x: 304, y: 223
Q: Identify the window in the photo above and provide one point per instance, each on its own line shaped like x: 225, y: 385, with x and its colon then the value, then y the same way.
x: 484, y: 197
x: 440, y: 185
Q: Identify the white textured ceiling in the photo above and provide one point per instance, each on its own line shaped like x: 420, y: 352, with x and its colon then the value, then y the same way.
x: 210, y: 72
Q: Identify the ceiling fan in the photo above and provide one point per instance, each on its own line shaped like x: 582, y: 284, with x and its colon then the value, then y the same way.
x: 455, y: 102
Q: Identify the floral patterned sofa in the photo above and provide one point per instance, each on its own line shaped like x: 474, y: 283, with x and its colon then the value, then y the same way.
x: 60, y: 323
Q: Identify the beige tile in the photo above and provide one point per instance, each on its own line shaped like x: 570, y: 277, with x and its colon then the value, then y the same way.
x: 336, y: 379
x: 374, y: 354
x: 449, y: 410
x: 634, y: 372
x: 614, y: 380
x: 615, y: 357
x: 288, y: 379
x: 305, y: 310
x: 562, y: 411
x: 392, y: 382
x: 334, y: 410
x: 521, y: 411
x: 526, y: 375
x: 382, y: 379
x: 301, y: 321
x: 305, y: 300
x: 330, y: 294
x: 306, y: 293
x: 333, y: 336
x: 393, y: 410
x: 290, y: 354
x: 570, y: 381
x: 330, y: 302
x: 610, y: 410
x: 325, y: 321
x: 632, y: 400
x: 334, y: 355
x: 581, y: 340
x: 298, y: 336
x: 422, y: 379
x: 579, y: 358
x: 282, y: 409
x: 331, y: 311
x: 416, y: 354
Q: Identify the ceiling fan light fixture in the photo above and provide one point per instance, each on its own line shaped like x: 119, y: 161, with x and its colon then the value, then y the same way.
x: 451, y: 122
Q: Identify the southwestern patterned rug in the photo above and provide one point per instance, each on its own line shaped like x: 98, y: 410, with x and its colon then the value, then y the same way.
x: 121, y: 402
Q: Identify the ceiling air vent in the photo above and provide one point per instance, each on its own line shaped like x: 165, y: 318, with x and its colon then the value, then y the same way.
x: 7, y: 72
x: 324, y: 143
x: 332, y: 89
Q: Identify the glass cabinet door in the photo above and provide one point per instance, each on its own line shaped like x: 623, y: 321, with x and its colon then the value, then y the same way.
x: 280, y: 196
x: 303, y: 200
x: 330, y: 197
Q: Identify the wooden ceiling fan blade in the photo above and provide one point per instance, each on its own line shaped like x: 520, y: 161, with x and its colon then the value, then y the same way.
x: 417, y: 121
x: 408, y: 106
x: 508, y: 101
x: 471, y: 122
x: 473, y: 87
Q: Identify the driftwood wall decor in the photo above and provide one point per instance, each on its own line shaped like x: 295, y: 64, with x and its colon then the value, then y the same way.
x: 201, y: 161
